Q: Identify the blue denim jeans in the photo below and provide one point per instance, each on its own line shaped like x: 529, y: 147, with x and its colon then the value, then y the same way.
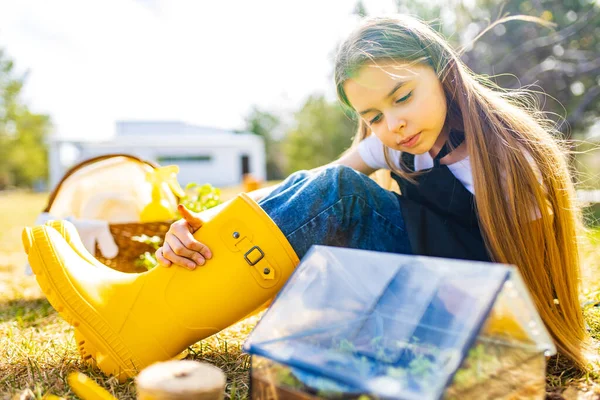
x: 337, y: 206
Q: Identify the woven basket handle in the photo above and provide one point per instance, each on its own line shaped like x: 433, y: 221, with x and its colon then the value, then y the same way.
x: 82, y: 164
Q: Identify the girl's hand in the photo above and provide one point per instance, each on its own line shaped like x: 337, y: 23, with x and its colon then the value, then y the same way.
x: 180, y: 247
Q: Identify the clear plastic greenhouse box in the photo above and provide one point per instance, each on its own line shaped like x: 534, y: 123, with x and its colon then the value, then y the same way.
x: 358, y: 324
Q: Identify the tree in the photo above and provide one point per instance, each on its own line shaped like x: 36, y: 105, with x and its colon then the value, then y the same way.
x: 563, y: 62
x: 23, y: 150
x: 265, y: 124
x: 321, y: 133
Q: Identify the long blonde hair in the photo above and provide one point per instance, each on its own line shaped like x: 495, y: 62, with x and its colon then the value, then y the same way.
x: 528, y: 218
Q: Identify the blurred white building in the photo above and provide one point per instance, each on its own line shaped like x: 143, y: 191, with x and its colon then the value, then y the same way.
x: 204, y: 155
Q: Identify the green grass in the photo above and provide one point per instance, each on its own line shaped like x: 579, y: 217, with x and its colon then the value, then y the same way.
x: 37, y: 349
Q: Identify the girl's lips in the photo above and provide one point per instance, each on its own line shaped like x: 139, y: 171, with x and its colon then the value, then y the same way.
x: 411, y: 142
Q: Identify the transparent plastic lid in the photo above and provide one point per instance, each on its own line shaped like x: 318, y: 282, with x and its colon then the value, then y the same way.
x: 394, y: 325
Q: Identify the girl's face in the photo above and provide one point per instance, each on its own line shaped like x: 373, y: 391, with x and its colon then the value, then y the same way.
x: 404, y: 105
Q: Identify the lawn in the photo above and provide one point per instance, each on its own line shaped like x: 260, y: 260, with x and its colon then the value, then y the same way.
x: 37, y: 349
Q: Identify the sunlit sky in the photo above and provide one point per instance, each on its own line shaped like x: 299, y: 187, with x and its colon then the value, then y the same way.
x: 202, y: 62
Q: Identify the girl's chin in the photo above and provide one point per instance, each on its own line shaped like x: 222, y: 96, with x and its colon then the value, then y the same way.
x: 416, y: 150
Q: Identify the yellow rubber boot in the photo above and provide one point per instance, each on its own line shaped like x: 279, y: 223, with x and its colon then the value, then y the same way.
x: 68, y: 231
x: 133, y: 320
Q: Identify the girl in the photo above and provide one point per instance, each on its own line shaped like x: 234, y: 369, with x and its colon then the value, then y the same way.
x: 481, y: 176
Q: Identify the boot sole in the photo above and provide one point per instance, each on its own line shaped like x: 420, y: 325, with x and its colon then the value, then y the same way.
x: 105, y: 346
x: 86, y: 349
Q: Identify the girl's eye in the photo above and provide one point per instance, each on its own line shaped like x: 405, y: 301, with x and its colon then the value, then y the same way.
x: 403, y: 99
x: 378, y: 117
x: 375, y: 120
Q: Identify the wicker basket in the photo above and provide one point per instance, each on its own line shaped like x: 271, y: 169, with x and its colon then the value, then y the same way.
x: 129, y: 250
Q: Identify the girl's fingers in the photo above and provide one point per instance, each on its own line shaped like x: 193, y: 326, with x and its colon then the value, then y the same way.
x: 191, y: 218
x: 177, y: 253
x: 190, y: 242
x: 162, y: 260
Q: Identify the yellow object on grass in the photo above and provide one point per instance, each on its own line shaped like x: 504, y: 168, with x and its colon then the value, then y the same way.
x: 159, y: 209
x: 129, y: 321
x: 86, y: 388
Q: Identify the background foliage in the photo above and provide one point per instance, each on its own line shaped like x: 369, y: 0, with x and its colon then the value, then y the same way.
x: 561, y: 63
x: 23, y: 150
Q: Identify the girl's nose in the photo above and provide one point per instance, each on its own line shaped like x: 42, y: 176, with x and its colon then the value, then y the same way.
x: 396, y: 124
